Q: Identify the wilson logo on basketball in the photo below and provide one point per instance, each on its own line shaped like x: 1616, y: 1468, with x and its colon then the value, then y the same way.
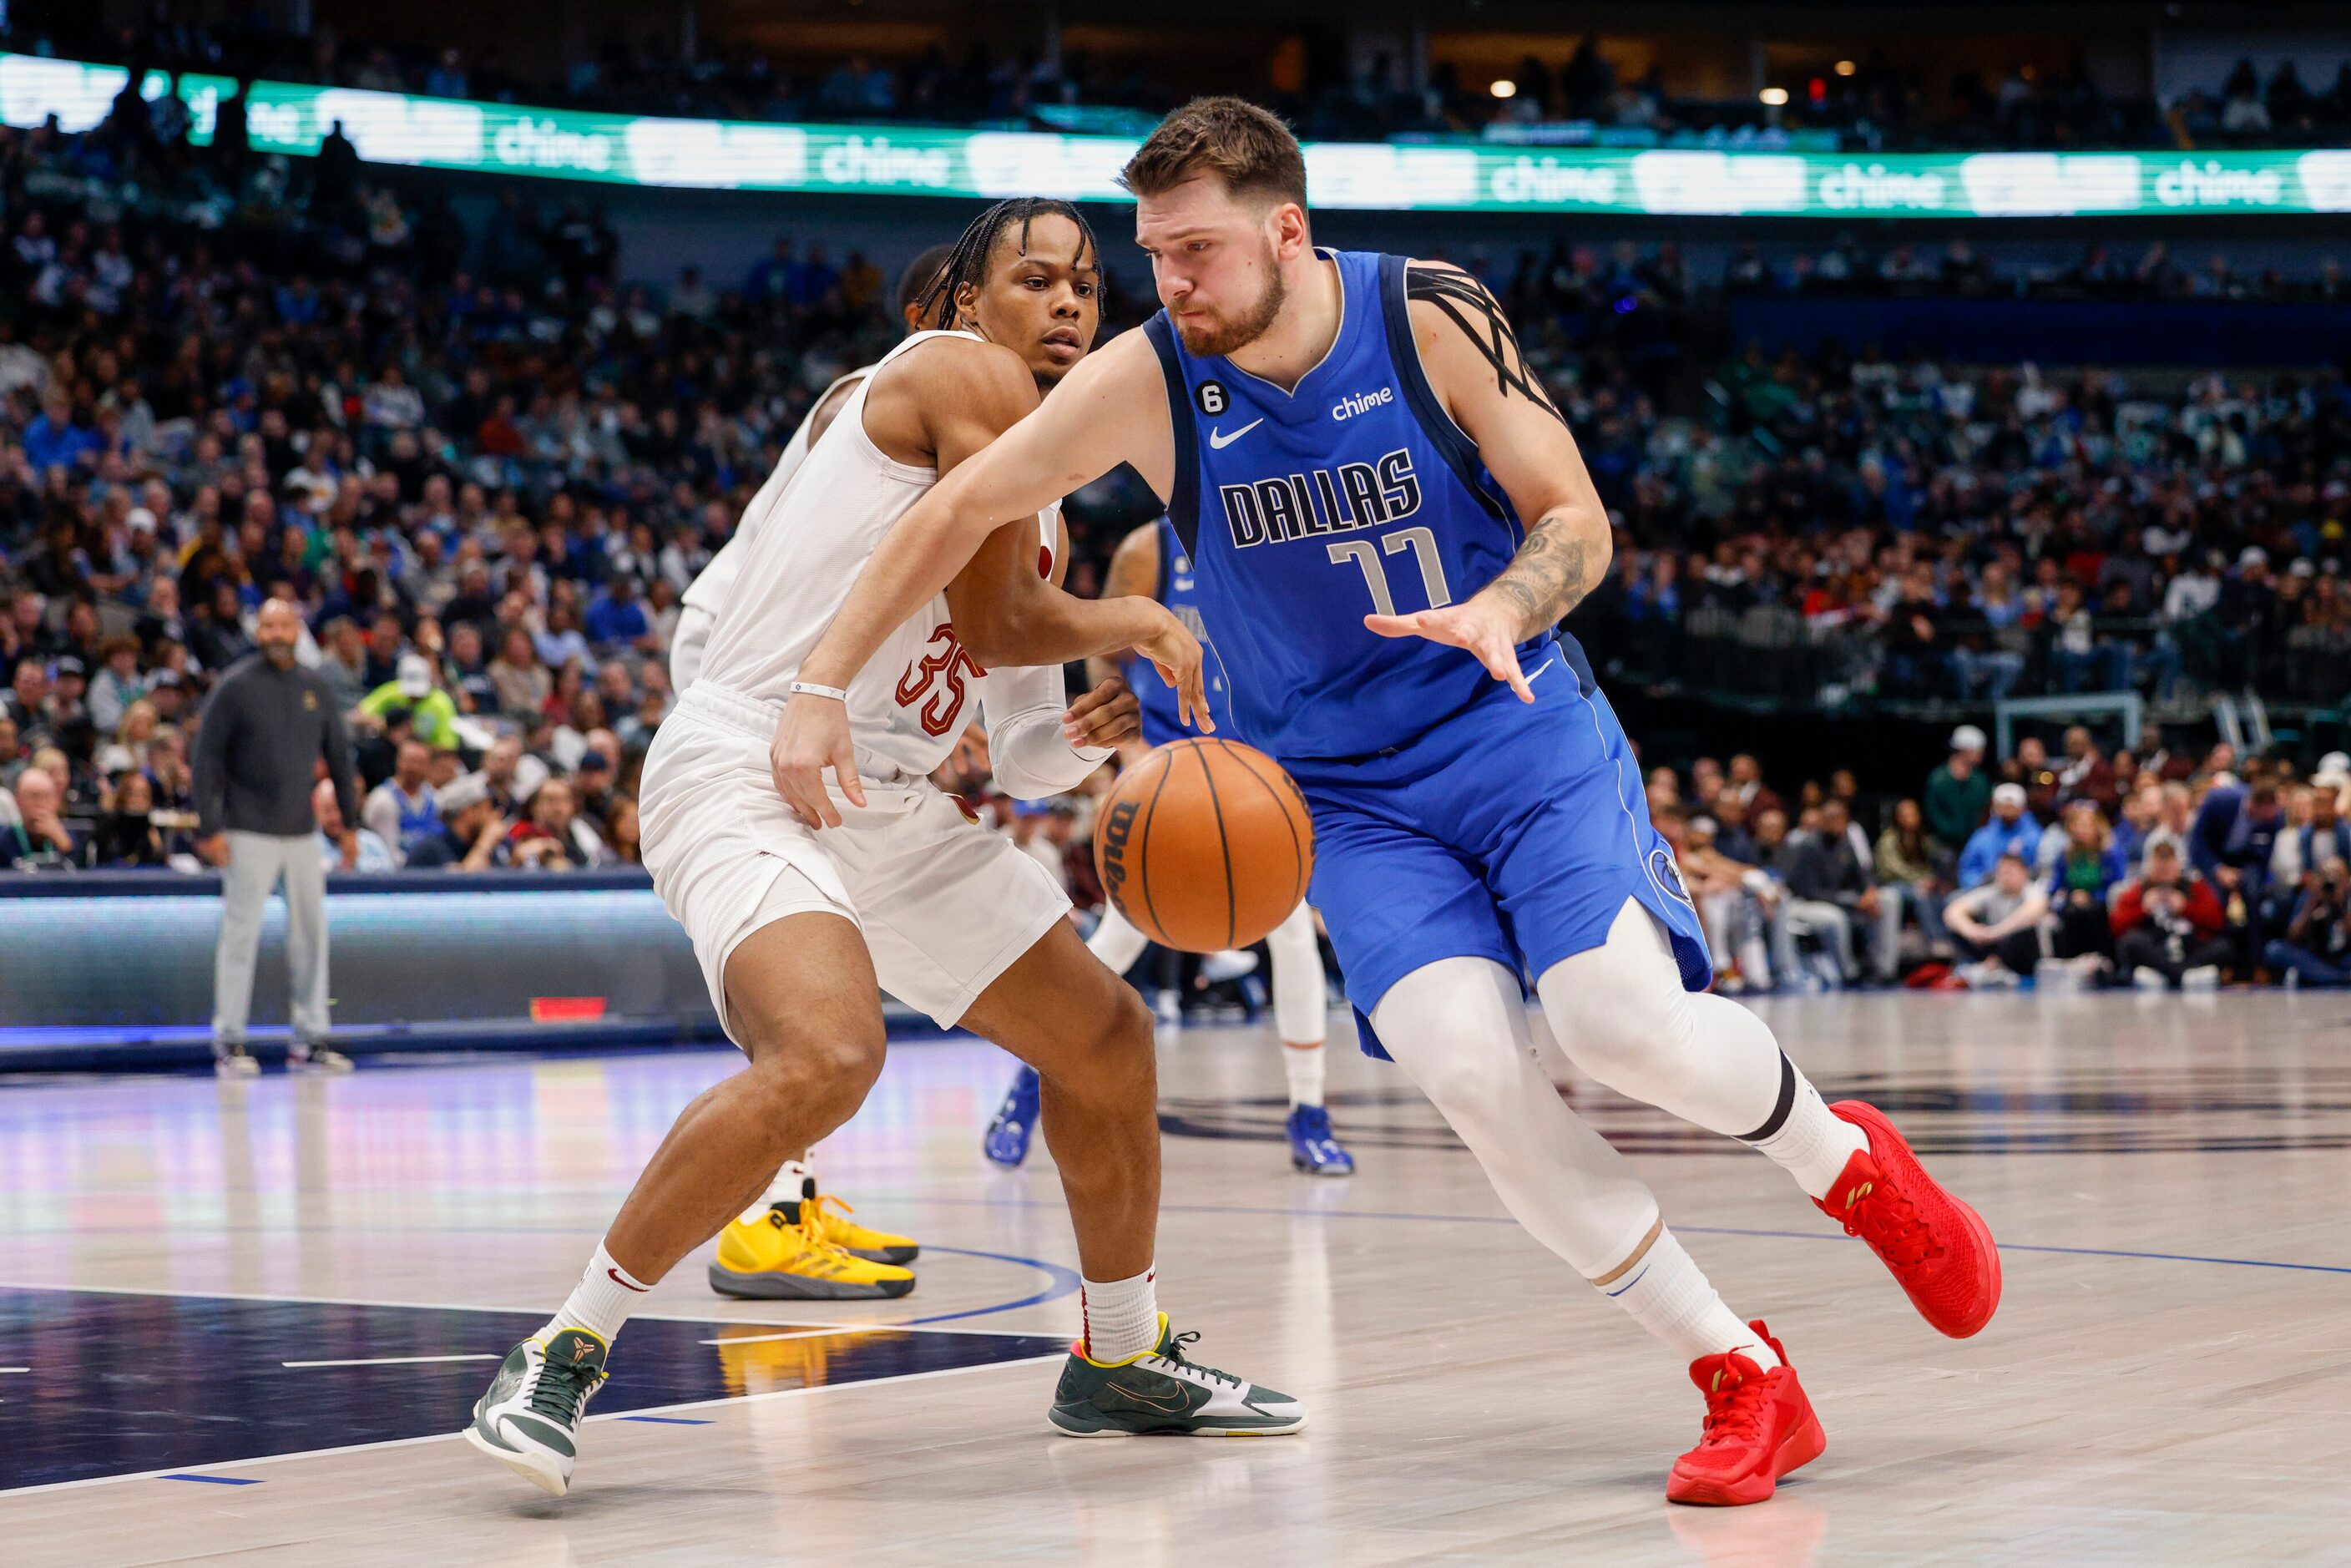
x: 1115, y: 835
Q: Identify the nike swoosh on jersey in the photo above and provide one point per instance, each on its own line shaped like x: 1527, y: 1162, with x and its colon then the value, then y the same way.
x: 1219, y: 440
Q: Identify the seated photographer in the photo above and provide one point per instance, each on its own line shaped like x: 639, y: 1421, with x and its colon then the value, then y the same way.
x: 2167, y: 927
x: 2316, y: 948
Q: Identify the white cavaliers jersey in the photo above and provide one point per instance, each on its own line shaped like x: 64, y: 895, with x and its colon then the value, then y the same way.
x: 801, y: 555
x: 708, y: 591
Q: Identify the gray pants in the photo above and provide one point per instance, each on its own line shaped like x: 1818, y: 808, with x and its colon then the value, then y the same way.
x: 257, y: 861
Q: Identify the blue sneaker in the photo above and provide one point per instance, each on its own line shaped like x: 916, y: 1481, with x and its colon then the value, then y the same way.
x: 1006, y: 1143
x: 1313, y: 1148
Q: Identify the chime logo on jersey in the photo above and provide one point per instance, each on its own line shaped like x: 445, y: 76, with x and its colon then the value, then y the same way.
x: 1321, y: 500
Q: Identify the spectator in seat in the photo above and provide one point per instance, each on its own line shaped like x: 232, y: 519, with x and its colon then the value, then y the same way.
x: 555, y: 837
x: 2167, y: 927
x: 418, y: 689
x: 522, y: 683
x: 2316, y: 948
x: 39, y: 839
x: 1813, y: 872
x: 374, y: 856
x: 2235, y: 833
x: 2086, y: 774
x: 118, y: 684
x: 473, y: 832
x: 1909, y: 868
x: 1746, y: 785
x: 401, y: 809
x: 2142, y: 809
x: 1997, y: 925
x: 616, y: 615
x: 1824, y: 867
x: 2089, y: 866
x: 127, y: 835
x: 2011, y: 831
x: 1733, y: 904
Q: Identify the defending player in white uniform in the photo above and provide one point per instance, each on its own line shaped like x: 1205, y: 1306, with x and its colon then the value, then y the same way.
x: 797, y: 926
x: 797, y: 1243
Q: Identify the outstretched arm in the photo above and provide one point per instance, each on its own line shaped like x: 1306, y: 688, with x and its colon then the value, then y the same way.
x: 1108, y: 410
x: 1478, y: 368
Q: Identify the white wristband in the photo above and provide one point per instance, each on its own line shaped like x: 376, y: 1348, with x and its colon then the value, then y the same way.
x: 810, y: 688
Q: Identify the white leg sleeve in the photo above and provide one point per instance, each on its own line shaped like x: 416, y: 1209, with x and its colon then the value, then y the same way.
x: 1458, y: 1028
x: 1302, y: 998
x: 1621, y: 1016
x: 1116, y: 941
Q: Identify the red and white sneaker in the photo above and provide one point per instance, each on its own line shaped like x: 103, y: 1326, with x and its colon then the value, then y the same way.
x: 1759, y: 1427
x: 1940, y: 1250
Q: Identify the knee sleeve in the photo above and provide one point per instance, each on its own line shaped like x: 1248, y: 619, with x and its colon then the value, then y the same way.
x: 1621, y: 1015
x: 1458, y: 1028
x: 1302, y: 998
x: 1116, y: 942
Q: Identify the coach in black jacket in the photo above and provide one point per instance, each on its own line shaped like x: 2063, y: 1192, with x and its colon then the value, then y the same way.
x: 263, y: 730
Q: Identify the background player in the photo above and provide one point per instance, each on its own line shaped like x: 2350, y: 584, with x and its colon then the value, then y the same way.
x: 1149, y: 560
x: 798, y: 1243
x: 797, y: 931
x: 1341, y: 436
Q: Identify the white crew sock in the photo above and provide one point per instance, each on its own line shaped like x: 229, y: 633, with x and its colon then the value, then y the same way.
x: 1121, y: 1317
x: 600, y: 1302
x: 1814, y: 1142
x: 1303, y: 1064
x: 1669, y: 1295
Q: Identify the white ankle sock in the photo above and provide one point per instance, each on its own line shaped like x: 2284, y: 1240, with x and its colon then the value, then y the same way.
x: 1669, y: 1295
x: 1812, y: 1143
x: 1303, y: 1064
x: 1121, y: 1317
x: 600, y: 1302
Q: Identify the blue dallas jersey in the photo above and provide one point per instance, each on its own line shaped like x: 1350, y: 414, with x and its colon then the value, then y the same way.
x: 1302, y: 512
x: 1450, y: 818
x: 1179, y: 590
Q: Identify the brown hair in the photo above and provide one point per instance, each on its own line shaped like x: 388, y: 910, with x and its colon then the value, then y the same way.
x: 1249, y: 148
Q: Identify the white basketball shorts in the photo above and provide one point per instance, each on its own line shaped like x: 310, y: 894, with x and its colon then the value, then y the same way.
x: 944, y: 905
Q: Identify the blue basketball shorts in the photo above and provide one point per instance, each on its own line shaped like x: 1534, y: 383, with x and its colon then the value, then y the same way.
x: 1509, y: 831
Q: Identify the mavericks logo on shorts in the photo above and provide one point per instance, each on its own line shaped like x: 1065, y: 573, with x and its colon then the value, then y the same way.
x: 1667, y: 875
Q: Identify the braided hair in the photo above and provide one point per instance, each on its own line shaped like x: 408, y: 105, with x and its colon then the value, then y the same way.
x: 966, y: 262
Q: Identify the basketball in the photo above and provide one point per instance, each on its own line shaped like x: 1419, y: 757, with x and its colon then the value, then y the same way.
x: 1205, y: 844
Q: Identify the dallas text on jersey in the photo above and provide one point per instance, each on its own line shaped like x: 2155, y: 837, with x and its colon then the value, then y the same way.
x: 1322, y: 501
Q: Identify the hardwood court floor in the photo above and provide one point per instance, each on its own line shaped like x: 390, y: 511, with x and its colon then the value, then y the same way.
x: 2166, y: 1382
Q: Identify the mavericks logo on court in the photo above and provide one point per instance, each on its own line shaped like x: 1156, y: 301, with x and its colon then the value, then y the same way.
x: 1667, y: 875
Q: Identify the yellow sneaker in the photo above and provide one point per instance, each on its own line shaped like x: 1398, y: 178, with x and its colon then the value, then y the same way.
x: 874, y: 1246
x: 771, y: 1258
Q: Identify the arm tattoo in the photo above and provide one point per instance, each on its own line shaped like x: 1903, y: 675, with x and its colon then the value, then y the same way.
x: 1461, y: 297
x: 1548, y: 575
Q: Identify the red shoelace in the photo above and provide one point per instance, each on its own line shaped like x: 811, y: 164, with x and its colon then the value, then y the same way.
x: 1884, y: 1216
x: 1734, y: 1407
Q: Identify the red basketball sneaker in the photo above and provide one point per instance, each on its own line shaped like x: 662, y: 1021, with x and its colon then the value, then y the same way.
x: 1759, y: 1427
x: 1938, y: 1247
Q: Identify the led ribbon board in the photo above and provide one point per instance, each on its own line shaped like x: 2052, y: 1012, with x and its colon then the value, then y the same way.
x: 712, y: 155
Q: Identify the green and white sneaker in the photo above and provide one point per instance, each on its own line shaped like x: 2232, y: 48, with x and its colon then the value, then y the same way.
x: 1160, y: 1393
x: 529, y: 1419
